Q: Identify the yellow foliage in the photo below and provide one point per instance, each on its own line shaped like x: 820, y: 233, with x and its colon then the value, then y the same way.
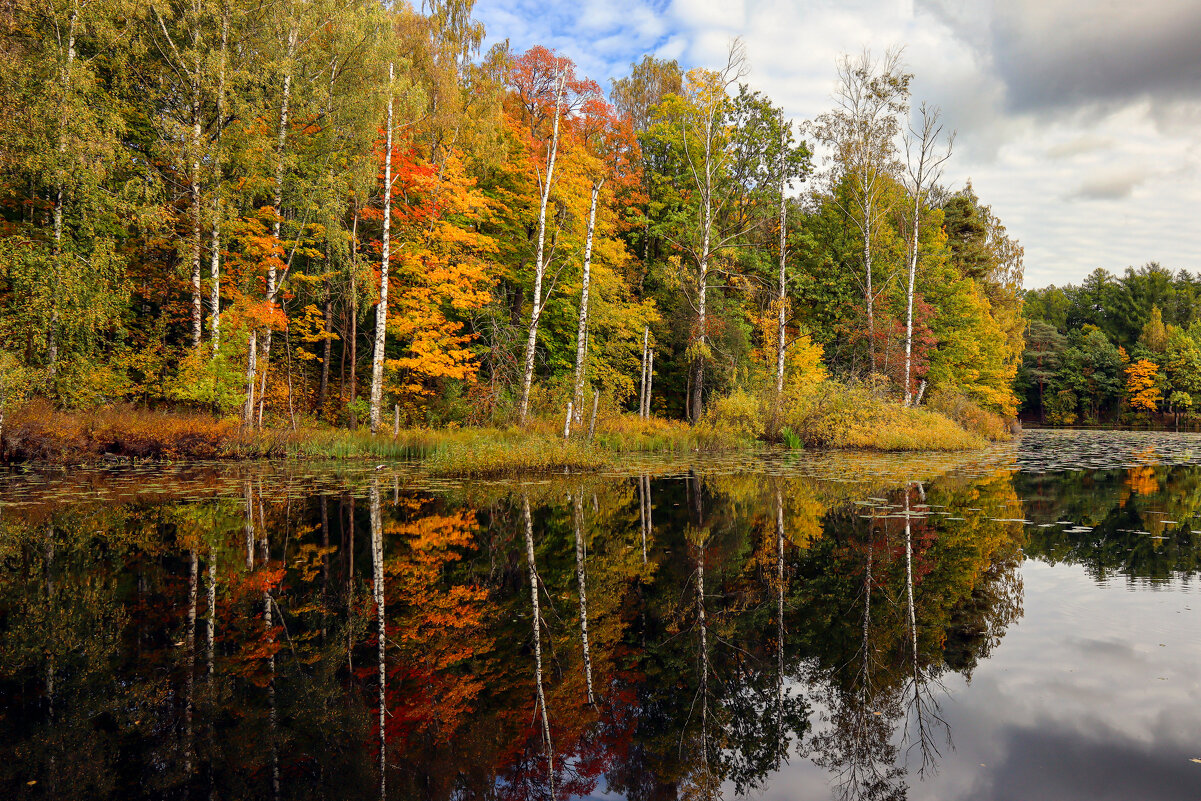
x: 1142, y: 387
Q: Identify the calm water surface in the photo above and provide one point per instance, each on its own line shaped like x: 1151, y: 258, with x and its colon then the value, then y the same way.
x: 1021, y: 623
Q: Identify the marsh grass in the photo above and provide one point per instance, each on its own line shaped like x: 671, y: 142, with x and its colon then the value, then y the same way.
x: 826, y: 415
x: 834, y: 415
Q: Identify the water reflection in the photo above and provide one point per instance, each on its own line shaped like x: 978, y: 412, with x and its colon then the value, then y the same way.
x: 645, y: 637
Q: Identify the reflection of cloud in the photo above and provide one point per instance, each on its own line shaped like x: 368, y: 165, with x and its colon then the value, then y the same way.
x: 1043, y: 761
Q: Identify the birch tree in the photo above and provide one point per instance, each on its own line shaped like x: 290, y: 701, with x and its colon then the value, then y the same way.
x: 860, y: 133
x: 698, y: 120
x: 609, y: 145
x: 547, y: 90
x: 924, y: 162
x: 381, y: 310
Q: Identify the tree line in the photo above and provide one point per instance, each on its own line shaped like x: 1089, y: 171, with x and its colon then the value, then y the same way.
x: 329, y: 211
x: 1114, y: 349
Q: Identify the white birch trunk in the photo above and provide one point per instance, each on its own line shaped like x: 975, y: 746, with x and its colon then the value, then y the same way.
x: 381, y: 311
x: 650, y: 382
x: 215, y: 234
x: 698, y: 380
x: 642, y: 380
x: 783, y: 278
x: 871, y: 298
x: 581, y: 348
x: 917, y: 203
x: 539, y: 261
x: 194, y: 190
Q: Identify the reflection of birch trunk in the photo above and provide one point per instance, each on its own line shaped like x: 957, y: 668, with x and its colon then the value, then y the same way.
x: 324, y: 565
x: 779, y: 623
x: 190, y: 658
x: 699, y: 513
x: 269, y: 629
x: 212, y: 609
x: 249, y: 493
x: 922, y: 707
x: 644, y: 510
x: 377, y: 565
x: 700, y: 610
x: 350, y: 586
x: 529, y: 552
x: 49, y: 581
x: 578, y: 515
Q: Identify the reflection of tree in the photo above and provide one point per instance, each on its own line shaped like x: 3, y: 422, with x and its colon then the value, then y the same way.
x: 923, y: 712
x: 420, y: 685
x: 1138, y: 522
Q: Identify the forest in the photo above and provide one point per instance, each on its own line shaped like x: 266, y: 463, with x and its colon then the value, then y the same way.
x: 1114, y: 350
x: 343, y: 213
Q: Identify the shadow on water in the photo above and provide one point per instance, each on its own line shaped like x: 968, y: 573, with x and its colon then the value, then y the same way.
x: 666, y: 631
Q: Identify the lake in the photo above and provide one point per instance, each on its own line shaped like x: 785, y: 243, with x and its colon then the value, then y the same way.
x: 1017, y: 623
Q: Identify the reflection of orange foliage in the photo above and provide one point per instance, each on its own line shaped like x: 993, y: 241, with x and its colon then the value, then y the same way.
x: 437, y: 627
x: 1142, y: 480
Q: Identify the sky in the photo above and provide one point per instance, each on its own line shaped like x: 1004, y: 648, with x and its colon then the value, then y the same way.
x: 1079, y: 123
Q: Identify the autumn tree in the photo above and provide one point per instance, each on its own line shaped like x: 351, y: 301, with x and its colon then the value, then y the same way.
x: 871, y: 96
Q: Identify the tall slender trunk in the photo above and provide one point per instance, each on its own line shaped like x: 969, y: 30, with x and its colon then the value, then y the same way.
x: 281, y: 141
x: 381, y: 310
x: 698, y: 381
x: 917, y: 206
x: 650, y: 383
x: 783, y: 279
x: 581, y: 579
x: 60, y: 191
x: 581, y: 349
x: 870, y: 294
x: 540, y: 260
x: 215, y: 236
x: 537, y: 614
x: 327, y: 346
x: 354, y: 320
x: 377, y: 563
x: 642, y: 381
x: 194, y: 191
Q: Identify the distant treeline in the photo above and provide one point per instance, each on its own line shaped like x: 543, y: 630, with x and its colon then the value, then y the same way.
x: 1114, y: 349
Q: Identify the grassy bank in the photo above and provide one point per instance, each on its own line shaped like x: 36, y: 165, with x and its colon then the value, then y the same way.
x: 834, y: 415
x: 826, y: 416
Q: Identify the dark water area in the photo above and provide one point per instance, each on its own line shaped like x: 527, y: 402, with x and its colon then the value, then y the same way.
x: 1019, y: 623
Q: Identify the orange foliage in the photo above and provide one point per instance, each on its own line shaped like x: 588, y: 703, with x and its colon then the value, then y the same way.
x: 1142, y: 386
